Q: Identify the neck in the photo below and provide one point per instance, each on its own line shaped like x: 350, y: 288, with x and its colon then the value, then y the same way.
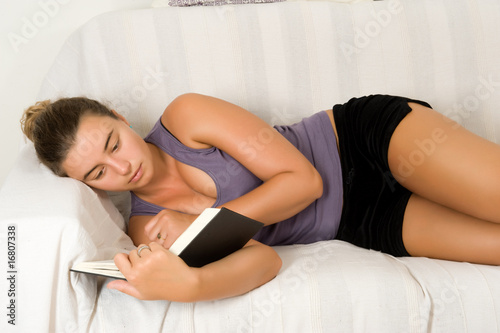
x: 164, y: 168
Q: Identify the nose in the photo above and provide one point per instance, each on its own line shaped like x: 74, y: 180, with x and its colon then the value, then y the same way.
x: 121, y: 166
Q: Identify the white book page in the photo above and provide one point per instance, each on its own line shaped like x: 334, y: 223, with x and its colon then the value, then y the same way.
x: 104, y: 264
x: 105, y: 268
x: 194, y: 229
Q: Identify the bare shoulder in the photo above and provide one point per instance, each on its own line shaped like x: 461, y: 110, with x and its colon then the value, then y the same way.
x: 181, y: 117
x: 184, y: 106
x: 201, y: 121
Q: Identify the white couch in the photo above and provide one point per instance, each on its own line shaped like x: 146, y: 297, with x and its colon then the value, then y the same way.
x: 282, y: 61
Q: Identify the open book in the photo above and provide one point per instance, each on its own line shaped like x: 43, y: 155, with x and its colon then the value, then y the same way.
x: 216, y: 233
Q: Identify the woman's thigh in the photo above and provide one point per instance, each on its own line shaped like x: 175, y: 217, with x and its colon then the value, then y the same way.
x: 434, y: 231
x: 443, y: 162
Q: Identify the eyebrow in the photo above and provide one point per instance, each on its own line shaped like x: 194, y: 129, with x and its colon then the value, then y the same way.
x: 105, y: 148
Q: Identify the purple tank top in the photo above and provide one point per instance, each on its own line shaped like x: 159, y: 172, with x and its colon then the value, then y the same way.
x: 313, y: 136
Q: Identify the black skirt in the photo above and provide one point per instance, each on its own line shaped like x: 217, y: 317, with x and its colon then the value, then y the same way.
x: 374, y: 202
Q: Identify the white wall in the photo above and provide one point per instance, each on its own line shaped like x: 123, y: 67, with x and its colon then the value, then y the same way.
x: 32, y: 32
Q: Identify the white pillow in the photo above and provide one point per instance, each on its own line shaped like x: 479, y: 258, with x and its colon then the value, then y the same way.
x: 56, y: 222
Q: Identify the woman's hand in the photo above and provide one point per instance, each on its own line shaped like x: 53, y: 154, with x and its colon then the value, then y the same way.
x: 156, y: 274
x: 167, y: 226
x: 159, y: 274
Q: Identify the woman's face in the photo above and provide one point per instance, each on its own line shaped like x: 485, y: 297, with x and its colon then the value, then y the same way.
x: 109, y: 155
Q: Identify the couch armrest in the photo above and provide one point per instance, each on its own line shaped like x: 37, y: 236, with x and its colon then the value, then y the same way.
x: 55, y: 222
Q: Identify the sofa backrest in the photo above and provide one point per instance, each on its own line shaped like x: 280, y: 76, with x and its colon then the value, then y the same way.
x: 287, y: 60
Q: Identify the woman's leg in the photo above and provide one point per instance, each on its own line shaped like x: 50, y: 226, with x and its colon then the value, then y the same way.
x: 434, y: 231
x: 454, y: 212
x: 444, y: 163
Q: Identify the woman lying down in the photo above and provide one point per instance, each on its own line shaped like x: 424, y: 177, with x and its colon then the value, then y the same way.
x: 350, y: 173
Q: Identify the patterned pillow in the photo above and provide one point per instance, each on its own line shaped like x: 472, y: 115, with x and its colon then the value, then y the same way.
x: 187, y: 3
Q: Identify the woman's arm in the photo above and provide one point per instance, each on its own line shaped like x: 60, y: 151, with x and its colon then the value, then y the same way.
x: 143, y: 229
x: 136, y: 229
x: 159, y: 274
x: 290, y: 182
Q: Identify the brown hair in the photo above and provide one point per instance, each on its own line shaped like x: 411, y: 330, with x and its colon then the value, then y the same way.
x: 52, y: 127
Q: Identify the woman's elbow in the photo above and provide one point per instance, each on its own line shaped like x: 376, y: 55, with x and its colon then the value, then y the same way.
x: 274, y: 267
x: 316, y: 184
x: 277, y: 263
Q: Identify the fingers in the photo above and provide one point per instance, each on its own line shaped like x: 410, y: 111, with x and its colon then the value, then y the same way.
x: 142, y: 252
x: 152, y: 228
x: 156, y: 231
x: 123, y: 263
x: 161, y: 237
x: 166, y: 226
x: 126, y: 263
x: 124, y: 287
x: 142, y: 248
x: 156, y: 247
x: 149, y: 274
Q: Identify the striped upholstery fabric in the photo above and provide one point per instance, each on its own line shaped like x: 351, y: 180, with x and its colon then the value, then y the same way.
x: 281, y: 61
x: 286, y: 60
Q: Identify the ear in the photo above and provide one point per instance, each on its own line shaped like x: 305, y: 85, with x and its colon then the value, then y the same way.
x: 122, y: 118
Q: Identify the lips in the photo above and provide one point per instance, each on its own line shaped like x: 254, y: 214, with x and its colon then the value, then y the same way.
x: 137, y: 175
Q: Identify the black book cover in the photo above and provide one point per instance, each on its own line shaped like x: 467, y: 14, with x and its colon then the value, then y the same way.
x: 226, y: 233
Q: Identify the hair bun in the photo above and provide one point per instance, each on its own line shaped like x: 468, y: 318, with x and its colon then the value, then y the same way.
x: 30, y: 115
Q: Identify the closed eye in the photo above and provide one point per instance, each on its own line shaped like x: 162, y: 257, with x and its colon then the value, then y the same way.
x: 115, y: 147
x: 99, y: 174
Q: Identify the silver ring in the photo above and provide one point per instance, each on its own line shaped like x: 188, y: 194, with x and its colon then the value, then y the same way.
x: 142, y: 248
